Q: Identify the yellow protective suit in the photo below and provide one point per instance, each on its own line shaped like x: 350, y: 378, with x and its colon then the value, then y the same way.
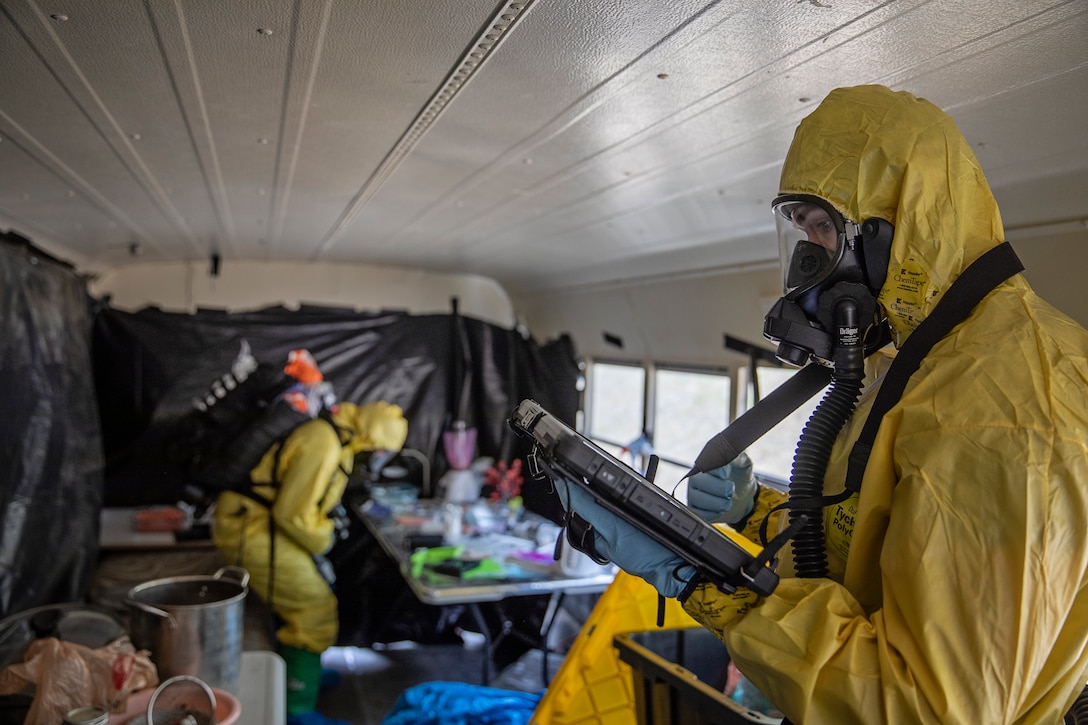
x: 313, y: 468
x: 956, y: 591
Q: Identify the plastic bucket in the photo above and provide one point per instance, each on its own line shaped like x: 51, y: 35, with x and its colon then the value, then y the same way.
x: 193, y: 625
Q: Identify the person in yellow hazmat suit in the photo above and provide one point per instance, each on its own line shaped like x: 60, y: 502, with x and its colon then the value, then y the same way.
x: 952, y: 586
x: 304, y: 479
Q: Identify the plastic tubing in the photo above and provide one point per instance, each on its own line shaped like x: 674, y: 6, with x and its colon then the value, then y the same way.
x: 1078, y: 714
x: 814, y: 447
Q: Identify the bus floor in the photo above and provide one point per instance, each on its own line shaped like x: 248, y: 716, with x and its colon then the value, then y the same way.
x: 365, y: 682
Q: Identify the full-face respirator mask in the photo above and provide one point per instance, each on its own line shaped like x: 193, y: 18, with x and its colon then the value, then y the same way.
x: 827, y: 260
x: 833, y: 269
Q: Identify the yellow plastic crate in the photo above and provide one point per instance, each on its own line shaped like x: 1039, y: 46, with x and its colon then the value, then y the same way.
x: 678, y: 676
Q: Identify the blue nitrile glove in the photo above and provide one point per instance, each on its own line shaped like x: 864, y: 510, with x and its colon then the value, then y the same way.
x: 625, y: 546
x: 726, y: 494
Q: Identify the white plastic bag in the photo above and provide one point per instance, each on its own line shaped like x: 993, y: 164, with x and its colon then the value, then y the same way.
x: 66, y: 675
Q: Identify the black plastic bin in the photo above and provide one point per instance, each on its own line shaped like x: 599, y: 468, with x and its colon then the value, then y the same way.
x: 678, y: 677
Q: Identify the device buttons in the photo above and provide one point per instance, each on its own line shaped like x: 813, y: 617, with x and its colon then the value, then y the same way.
x: 608, y: 477
x: 682, y: 525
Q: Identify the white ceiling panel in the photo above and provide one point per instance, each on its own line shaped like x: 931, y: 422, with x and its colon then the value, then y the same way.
x: 544, y: 143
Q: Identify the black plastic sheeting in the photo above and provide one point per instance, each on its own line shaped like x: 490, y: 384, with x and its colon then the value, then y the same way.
x: 50, y: 444
x: 149, y: 365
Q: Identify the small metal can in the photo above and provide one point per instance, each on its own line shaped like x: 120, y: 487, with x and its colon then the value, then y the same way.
x: 87, y: 716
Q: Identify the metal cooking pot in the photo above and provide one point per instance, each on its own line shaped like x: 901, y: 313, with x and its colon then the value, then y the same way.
x: 193, y: 625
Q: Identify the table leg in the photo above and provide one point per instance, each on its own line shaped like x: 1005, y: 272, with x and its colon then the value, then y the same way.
x: 474, y: 608
x: 554, y: 603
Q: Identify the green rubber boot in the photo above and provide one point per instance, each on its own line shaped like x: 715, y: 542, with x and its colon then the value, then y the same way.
x: 303, y: 678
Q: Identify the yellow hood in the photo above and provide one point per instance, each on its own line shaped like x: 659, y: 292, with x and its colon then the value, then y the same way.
x: 374, y: 426
x: 874, y: 152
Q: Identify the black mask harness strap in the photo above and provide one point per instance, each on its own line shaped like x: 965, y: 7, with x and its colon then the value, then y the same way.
x: 978, y: 280
x: 760, y: 418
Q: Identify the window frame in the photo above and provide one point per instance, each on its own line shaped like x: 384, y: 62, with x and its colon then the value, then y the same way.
x: 716, y: 370
x: 649, y: 369
x: 741, y: 391
x: 587, y: 401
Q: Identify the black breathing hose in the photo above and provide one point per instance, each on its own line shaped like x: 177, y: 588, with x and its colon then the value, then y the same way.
x: 1078, y: 714
x: 806, y: 497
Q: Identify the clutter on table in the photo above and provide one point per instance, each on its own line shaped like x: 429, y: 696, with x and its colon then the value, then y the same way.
x: 153, y: 527
x: 491, y: 538
x: 161, y: 518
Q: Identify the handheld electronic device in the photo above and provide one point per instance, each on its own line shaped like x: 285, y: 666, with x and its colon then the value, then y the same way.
x: 559, y: 451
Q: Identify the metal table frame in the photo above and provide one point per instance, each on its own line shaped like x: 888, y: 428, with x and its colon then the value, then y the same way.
x: 392, y: 537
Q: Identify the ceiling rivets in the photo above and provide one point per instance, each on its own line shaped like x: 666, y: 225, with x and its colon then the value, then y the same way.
x: 264, y: 31
x: 59, y: 16
x: 262, y: 141
x: 662, y: 76
x: 135, y: 136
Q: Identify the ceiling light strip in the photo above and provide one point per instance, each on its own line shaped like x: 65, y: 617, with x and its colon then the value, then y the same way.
x: 481, y: 48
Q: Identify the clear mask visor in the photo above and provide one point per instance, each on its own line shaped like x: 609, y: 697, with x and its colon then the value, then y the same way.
x: 811, y: 241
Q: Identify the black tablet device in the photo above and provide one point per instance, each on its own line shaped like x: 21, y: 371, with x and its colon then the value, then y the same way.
x: 563, y: 452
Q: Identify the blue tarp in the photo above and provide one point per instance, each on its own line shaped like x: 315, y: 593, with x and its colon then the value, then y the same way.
x: 458, y: 703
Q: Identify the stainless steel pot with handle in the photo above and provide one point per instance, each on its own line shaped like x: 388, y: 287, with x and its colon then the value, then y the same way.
x: 193, y: 625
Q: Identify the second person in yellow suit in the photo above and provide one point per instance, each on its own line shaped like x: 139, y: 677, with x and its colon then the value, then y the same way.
x: 304, y: 478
